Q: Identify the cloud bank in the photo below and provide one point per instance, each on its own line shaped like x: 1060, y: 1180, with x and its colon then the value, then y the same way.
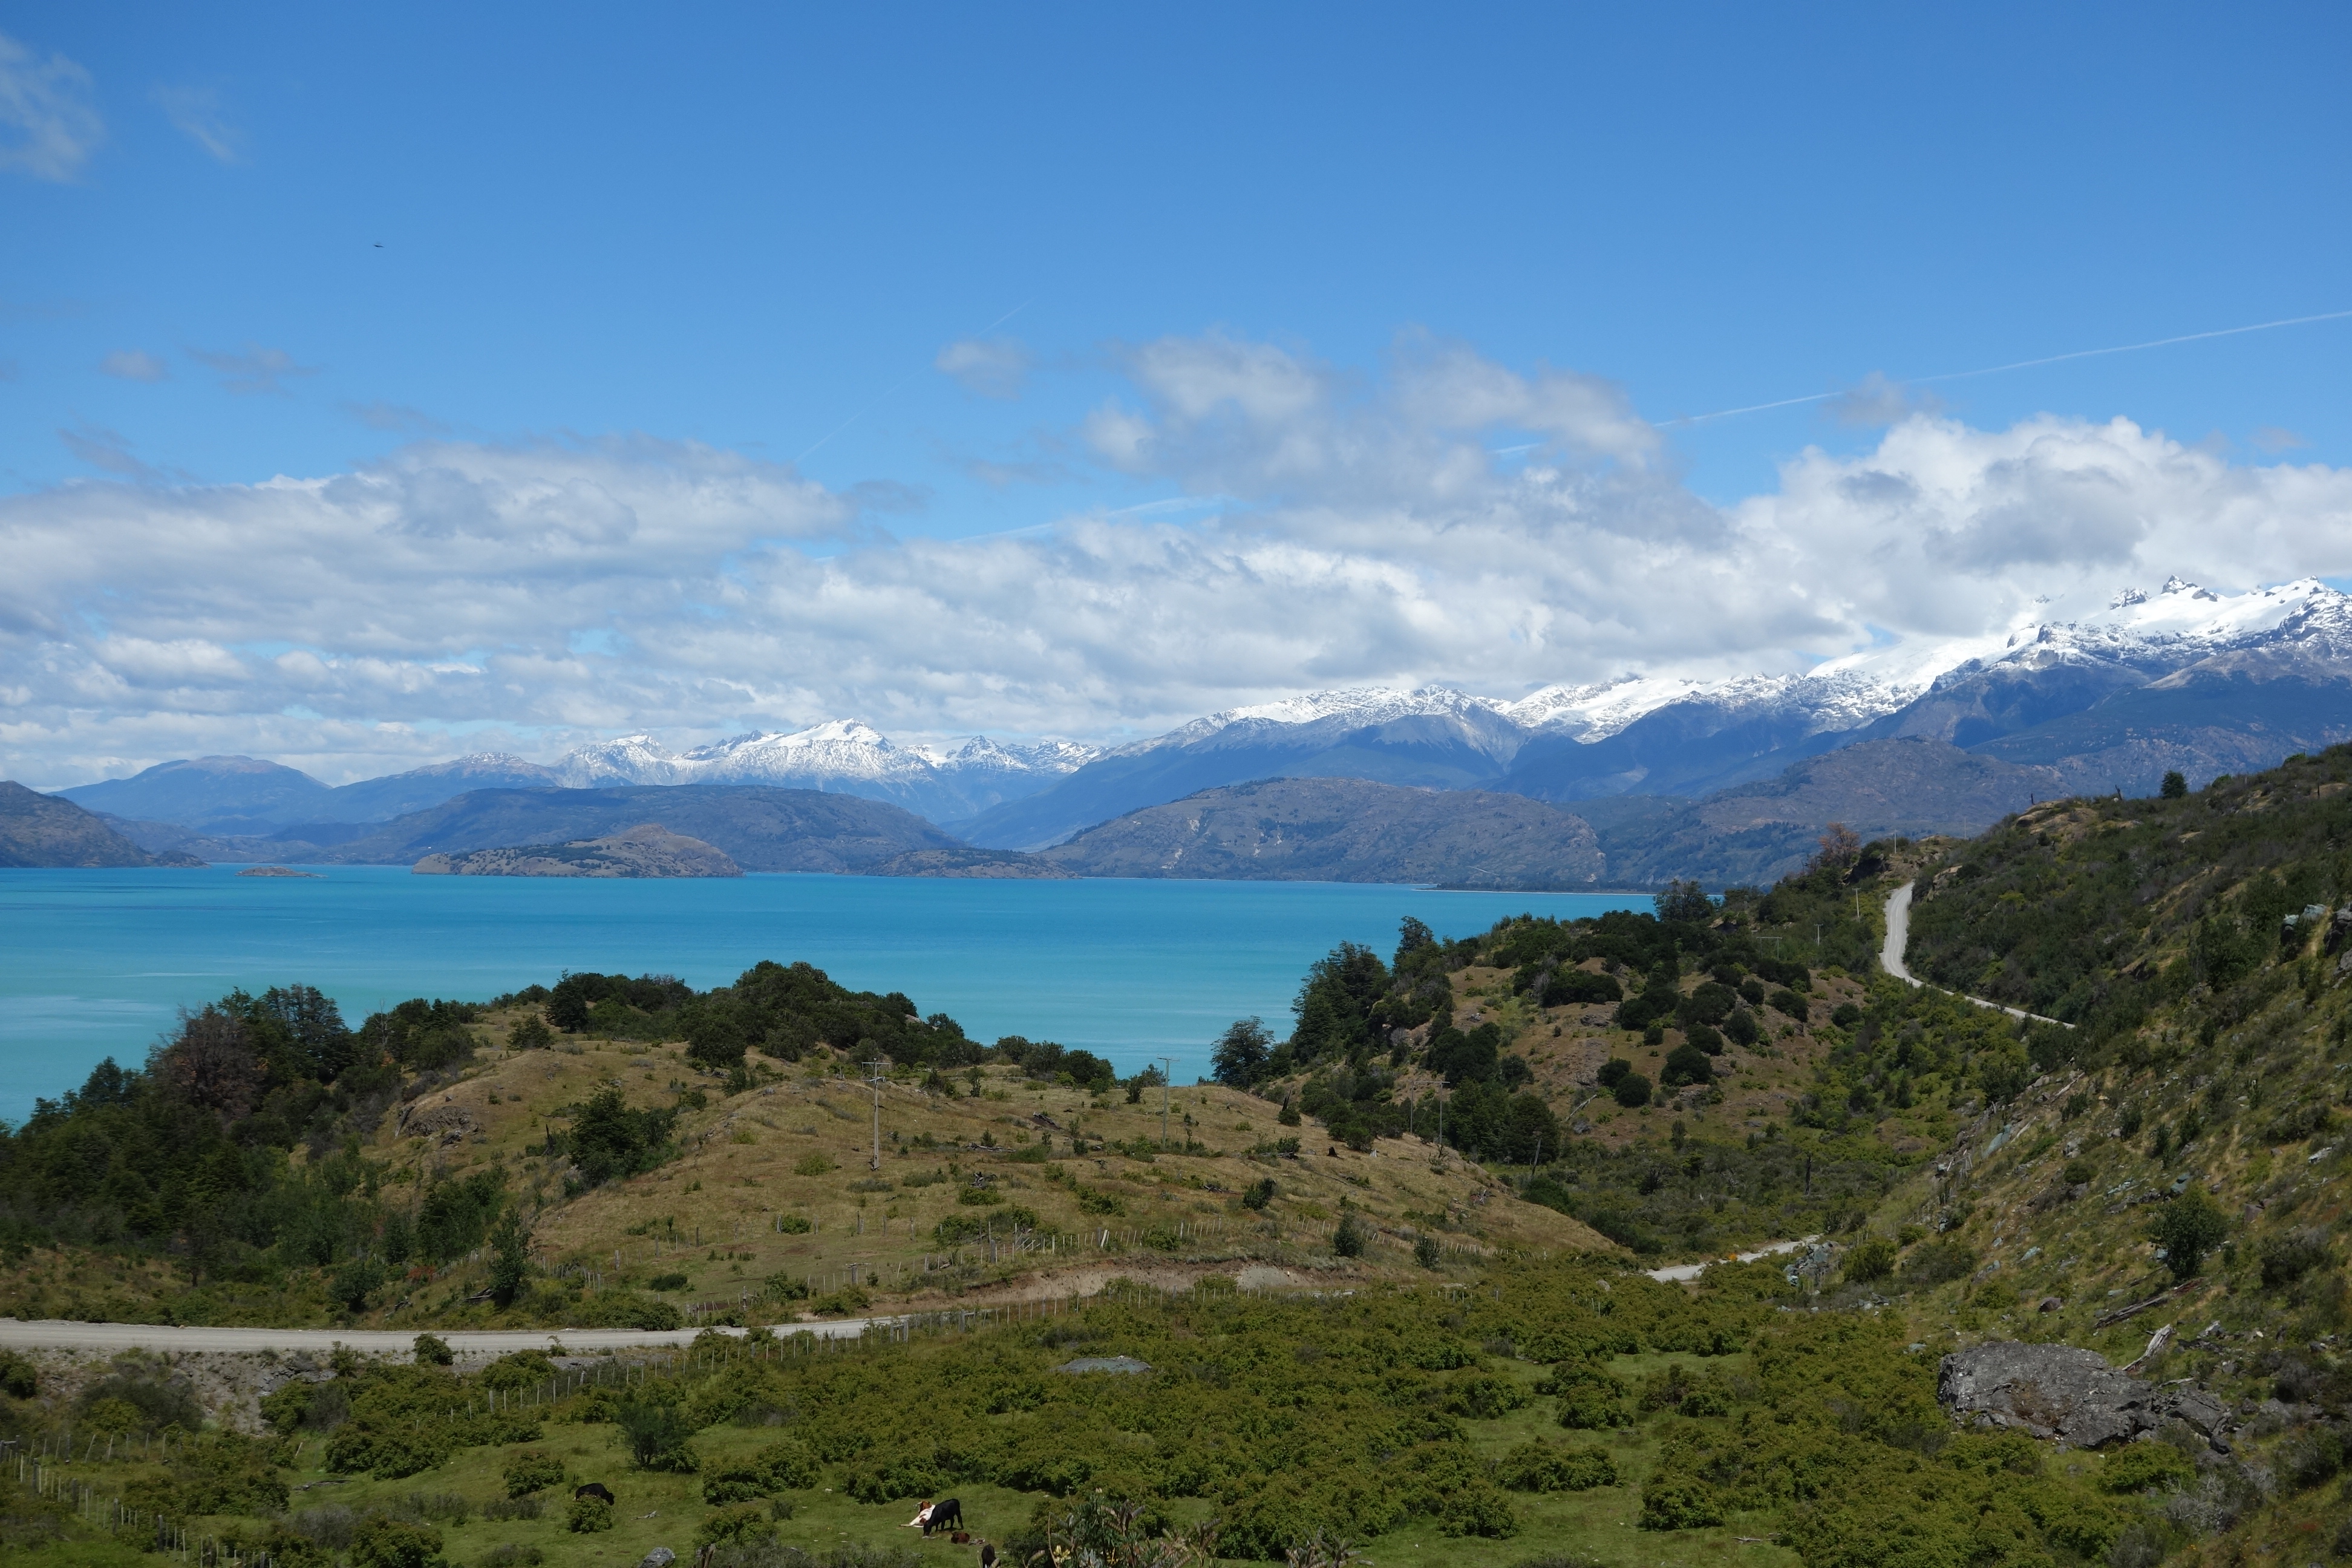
x: 1440, y: 519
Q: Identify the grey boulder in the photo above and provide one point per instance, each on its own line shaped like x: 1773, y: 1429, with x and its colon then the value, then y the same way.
x: 2066, y: 1393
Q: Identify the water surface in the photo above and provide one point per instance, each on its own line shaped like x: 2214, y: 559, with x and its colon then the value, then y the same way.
x: 95, y: 963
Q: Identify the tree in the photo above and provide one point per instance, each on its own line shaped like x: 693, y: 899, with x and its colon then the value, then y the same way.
x: 2176, y: 786
x: 510, y: 1262
x: 2187, y: 1227
x: 1239, y: 1056
x: 1686, y: 901
x: 213, y: 1064
x: 1632, y: 1090
x: 713, y: 1038
x: 1840, y: 847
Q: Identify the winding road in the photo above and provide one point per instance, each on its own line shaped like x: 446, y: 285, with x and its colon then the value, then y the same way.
x: 1898, y: 938
x: 484, y: 1343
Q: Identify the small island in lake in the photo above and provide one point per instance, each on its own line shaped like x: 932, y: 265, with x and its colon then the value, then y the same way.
x: 275, y: 871
x: 648, y: 849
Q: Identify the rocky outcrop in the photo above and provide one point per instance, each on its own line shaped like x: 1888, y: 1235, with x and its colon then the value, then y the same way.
x: 2066, y: 1393
x: 648, y: 849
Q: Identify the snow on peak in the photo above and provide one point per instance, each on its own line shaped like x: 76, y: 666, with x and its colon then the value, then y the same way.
x: 1598, y: 711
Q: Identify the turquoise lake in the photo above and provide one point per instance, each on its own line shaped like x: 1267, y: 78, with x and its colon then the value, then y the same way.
x: 96, y: 964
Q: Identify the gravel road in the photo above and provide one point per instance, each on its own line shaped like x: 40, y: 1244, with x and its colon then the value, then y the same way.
x: 469, y: 1344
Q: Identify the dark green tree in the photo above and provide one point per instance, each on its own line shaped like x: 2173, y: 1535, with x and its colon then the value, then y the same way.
x: 2176, y: 786
x: 1239, y: 1058
x: 510, y: 1257
x: 2188, y: 1228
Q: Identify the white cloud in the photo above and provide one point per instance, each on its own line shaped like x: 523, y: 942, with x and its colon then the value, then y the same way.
x: 194, y: 112
x: 132, y: 364
x: 48, y: 128
x: 523, y: 596
x: 257, y: 370
x: 991, y: 367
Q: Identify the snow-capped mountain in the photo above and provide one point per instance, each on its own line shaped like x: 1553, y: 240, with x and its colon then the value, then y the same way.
x: 2044, y: 691
x: 843, y: 755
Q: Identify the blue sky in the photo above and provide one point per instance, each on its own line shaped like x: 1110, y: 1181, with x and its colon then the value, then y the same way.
x: 937, y: 264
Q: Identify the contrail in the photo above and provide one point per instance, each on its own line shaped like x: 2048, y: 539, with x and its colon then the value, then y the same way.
x: 902, y: 381
x: 2021, y: 364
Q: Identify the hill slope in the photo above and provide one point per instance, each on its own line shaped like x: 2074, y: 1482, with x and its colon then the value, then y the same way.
x: 1755, y: 834
x: 762, y: 829
x: 1343, y: 830
x: 40, y: 830
x: 645, y: 850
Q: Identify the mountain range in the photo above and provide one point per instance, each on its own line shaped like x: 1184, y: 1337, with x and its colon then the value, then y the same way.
x: 2175, y: 677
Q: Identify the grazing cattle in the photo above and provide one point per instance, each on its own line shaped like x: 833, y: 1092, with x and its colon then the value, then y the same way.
x: 595, y: 1489
x: 987, y: 1555
x: 945, y: 1514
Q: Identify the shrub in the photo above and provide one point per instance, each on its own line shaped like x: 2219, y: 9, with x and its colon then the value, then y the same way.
x: 1632, y: 1090
x: 18, y: 1377
x: 1348, y: 1241
x: 812, y: 1164
x: 1873, y: 1259
x: 514, y: 1553
x: 1426, y: 1251
x: 796, y: 1224
x: 587, y: 1515
x: 788, y: 1464
x: 733, y: 1525
x: 2188, y: 1228
x: 381, y: 1541
x: 1613, y: 1071
x: 1539, y: 1466
x: 1589, y: 1399
x: 1845, y: 1015
x: 1686, y: 1062
x: 666, y: 1282
x: 656, y: 1436
x: 2136, y: 1467
x: 1938, y: 1261
x: 2287, y: 1258
x: 734, y: 1486
x: 1678, y: 1502
x: 1788, y: 1003
x: 432, y: 1350
x: 530, y: 1470
x: 1255, y: 1196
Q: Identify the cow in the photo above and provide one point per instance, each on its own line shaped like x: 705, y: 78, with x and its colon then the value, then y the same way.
x: 962, y: 1538
x: 595, y: 1489
x: 945, y: 1514
x: 987, y: 1555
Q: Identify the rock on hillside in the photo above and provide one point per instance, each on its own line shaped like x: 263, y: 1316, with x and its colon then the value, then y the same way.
x: 648, y: 849
x: 1343, y: 830
x: 41, y: 830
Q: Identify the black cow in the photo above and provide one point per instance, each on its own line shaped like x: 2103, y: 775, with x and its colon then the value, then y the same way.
x: 987, y: 1555
x: 946, y: 1514
x: 595, y: 1488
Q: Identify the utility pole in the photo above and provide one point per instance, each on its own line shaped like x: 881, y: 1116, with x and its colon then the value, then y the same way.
x: 875, y: 1079
x: 1167, y: 1087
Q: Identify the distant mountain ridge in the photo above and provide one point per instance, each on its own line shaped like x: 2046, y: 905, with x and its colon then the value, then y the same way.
x: 2175, y: 677
x: 845, y: 756
x: 1343, y: 830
